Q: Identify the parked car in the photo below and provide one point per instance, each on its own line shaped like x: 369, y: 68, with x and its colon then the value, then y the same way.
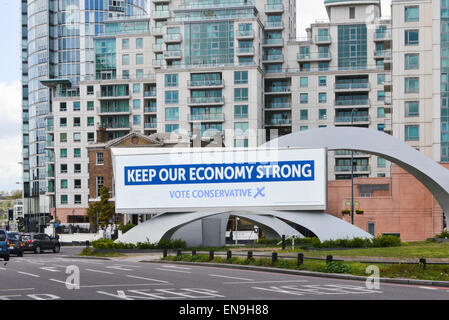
x: 15, y: 244
x: 39, y: 242
x: 4, y: 252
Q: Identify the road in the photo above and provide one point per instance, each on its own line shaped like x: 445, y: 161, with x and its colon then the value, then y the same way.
x: 44, y: 277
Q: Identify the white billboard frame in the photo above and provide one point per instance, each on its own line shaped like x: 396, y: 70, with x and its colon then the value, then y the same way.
x: 136, y: 151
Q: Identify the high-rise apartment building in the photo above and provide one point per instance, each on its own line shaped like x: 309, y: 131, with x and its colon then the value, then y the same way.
x: 57, y: 51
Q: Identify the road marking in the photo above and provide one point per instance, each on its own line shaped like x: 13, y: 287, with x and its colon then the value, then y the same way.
x: 120, y: 294
x: 176, y: 267
x: 63, y: 282
x: 29, y: 274
x: 428, y: 288
x: 267, y: 281
x: 228, y: 277
x: 51, y: 269
x: 149, y: 279
x: 173, y: 270
x: 99, y: 271
x: 113, y: 285
x: 23, y: 289
x: 119, y: 268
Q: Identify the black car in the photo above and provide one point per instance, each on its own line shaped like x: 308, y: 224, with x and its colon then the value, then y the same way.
x: 15, y: 244
x: 39, y: 242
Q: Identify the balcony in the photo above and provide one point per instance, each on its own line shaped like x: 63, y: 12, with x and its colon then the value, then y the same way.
x: 357, y: 168
x: 245, y: 51
x: 318, y: 56
x: 113, y: 110
x: 273, y: 58
x: 382, y: 54
x: 382, y: 36
x: 351, y: 86
x: 245, y: 34
x: 205, y: 100
x: 323, y: 39
x: 198, y: 84
x: 274, y: 25
x: 157, y: 15
x: 150, y: 110
x: 150, y: 125
x: 173, y: 54
x: 274, y: 8
x: 158, y: 47
x: 112, y: 95
x: 157, y: 31
x: 352, y: 102
x: 345, y: 120
x: 157, y: 63
x: 49, y: 144
x: 116, y: 126
x: 275, y: 106
x: 278, y: 122
x: 278, y: 89
x: 206, y: 117
x: 149, y: 94
x: 273, y: 42
x: 347, y: 153
x: 172, y: 37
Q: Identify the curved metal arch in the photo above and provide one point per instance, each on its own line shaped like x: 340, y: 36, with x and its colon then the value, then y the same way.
x: 430, y: 173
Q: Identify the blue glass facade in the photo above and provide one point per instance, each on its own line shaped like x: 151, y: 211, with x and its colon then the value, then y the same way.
x: 444, y: 81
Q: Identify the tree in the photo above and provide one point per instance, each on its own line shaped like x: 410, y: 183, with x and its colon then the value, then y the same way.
x: 101, y: 212
x: 15, y: 194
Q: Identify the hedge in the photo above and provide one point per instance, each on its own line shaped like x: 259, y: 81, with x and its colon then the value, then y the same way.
x: 163, y: 244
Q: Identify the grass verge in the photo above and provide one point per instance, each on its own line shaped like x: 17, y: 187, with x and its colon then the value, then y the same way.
x: 89, y: 252
x: 432, y: 272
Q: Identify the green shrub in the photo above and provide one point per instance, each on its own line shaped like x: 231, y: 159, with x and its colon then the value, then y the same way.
x: 337, y: 267
x: 443, y: 235
x: 126, y: 227
x: 103, y: 243
x: 386, y: 241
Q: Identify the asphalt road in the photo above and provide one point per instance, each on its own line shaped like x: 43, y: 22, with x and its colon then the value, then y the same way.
x: 50, y: 276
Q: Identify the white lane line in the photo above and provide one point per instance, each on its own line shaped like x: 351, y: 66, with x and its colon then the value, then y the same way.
x: 1, y: 268
x: 228, y: 277
x: 114, y: 285
x: 119, y: 268
x: 177, y: 267
x: 149, y: 279
x: 23, y: 289
x: 99, y: 271
x: 173, y: 270
x: 429, y: 288
x: 267, y: 281
x: 29, y: 274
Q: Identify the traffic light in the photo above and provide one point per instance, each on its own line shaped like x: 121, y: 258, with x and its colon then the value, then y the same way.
x: 10, y: 214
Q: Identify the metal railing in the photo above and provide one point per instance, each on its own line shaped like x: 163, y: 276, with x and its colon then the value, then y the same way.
x: 278, y: 121
x: 205, y: 83
x: 206, y: 117
x: 193, y: 100
x: 357, y: 168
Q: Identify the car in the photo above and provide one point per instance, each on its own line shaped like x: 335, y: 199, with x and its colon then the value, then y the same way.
x: 15, y: 244
x: 4, y: 251
x: 39, y: 242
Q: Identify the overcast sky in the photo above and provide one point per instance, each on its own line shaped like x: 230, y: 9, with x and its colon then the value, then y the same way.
x: 10, y: 81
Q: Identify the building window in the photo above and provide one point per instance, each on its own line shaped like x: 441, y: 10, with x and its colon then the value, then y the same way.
x: 171, y: 128
x: 63, y: 106
x: 241, y: 143
x: 90, y: 90
x: 380, y: 95
x: 100, y: 184
x: 64, y: 184
x: 63, y: 168
x: 77, y: 137
x: 63, y: 153
x: 381, y: 162
x: 171, y: 114
x: 240, y: 77
x: 411, y: 61
x: 76, y: 121
x: 381, y: 112
x: 90, y: 136
x: 240, y: 112
x: 136, y: 88
x: 303, y: 128
x: 63, y: 122
x: 241, y: 128
x: 90, y: 105
x: 381, y: 127
x: 90, y: 121
x: 412, y: 108
x: 304, y: 82
x: 125, y: 59
x: 241, y: 94
x: 411, y: 85
x: 139, y: 73
x: 371, y: 228
x: 171, y: 80
x: 139, y: 43
x: 136, y: 104
x: 380, y: 79
x: 77, y: 168
x: 412, y: 133
x: 77, y: 153
x: 139, y: 58
x: 411, y: 14
x: 304, y: 98
x: 77, y: 199
x: 171, y: 97
x: 63, y: 137
x: 64, y: 199
x: 125, y: 43
x: 100, y: 158
x: 322, y: 97
x: 136, y: 119
x: 351, y: 12
x: 76, y: 106
x: 322, y: 81
x: 411, y: 37
x: 322, y: 114
x: 77, y: 184
x: 125, y: 74
x: 304, y: 114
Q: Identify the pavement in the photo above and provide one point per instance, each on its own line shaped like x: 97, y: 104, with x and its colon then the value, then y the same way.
x: 50, y: 276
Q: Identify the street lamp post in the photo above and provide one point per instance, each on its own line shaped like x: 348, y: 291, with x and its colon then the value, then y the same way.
x: 352, y: 172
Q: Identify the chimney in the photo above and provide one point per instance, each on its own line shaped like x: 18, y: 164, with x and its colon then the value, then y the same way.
x: 102, y: 135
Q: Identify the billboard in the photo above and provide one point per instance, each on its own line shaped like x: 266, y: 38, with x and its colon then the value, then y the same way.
x: 151, y: 180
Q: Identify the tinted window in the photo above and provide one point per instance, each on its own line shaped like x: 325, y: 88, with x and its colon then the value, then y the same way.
x: 2, y: 236
x: 13, y: 236
x: 26, y: 237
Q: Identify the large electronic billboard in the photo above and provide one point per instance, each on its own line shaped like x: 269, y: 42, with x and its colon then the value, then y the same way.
x: 150, y: 180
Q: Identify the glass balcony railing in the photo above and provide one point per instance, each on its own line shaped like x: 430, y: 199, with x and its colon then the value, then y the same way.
x: 115, y: 125
x: 351, y: 102
x: 348, y: 153
x: 114, y: 109
x: 245, y: 33
x: 347, y: 168
x: 314, y: 56
x: 172, y: 37
x: 172, y: 54
x: 207, y: 117
x: 274, y: 24
x: 351, y: 86
x: 322, y: 38
x: 278, y: 89
x: 349, y: 119
x: 245, y: 50
x: 150, y: 109
x: 273, y: 57
x: 149, y: 93
x: 278, y: 121
x: 150, y: 125
x: 194, y: 100
x: 274, y: 41
x: 274, y: 7
x: 205, y: 83
x: 278, y: 105
x: 160, y: 14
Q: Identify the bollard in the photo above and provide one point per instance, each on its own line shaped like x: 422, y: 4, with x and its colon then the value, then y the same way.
x: 193, y: 252
x: 178, y: 252
x: 274, y: 257
x: 283, y: 242
x: 329, y: 259
x: 300, y: 259
x: 229, y: 255
x: 423, y: 262
x: 250, y: 255
x: 165, y: 252
x: 87, y: 244
x: 211, y: 255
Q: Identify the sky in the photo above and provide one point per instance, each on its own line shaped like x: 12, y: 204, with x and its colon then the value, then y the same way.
x: 10, y: 81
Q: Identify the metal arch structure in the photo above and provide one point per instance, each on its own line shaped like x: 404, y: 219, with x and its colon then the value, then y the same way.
x: 430, y: 173
x: 324, y: 226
